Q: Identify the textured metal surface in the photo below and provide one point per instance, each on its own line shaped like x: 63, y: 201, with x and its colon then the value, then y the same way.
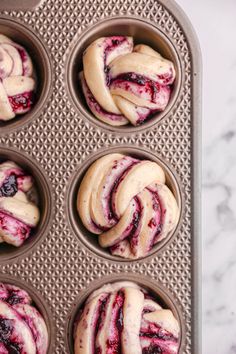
x: 38, y: 302
x: 155, y: 289
x: 19, y: 4
x: 60, y: 139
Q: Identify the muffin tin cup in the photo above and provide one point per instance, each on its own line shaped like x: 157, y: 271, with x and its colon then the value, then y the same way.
x: 143, y: 32
x: 163, y: 296
x: 43, y: 193
x: 90, y: 240
x: 38, y: 302
x: 25, y: 36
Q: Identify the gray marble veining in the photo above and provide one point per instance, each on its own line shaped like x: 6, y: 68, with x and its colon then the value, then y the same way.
x: 215, y: 24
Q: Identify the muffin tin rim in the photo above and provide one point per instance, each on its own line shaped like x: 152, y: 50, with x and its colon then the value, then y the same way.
x: 25, y: 121
x: 83, y: 166
x: 153, y: 123
x: 41, y: 234
x: 38, y: 299
x: 144, y: 281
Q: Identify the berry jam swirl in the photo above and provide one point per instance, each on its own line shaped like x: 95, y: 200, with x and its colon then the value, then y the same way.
x: 22, y: 328
x: 125, y: 84
x: 17, y: 84
x: 18, y: 216
x: 123, y: 318
x: 127, y: 203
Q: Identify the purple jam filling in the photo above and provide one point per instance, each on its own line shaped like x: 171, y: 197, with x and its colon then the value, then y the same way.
x: 145, y: 117
x: 149, y: 86
x: 22, y: 102
x: 133, y: 236
x: 14, y: 227
x: 116, y: 185
x: 163, y: 79
x: 119, y: 304
x: 153, y: 349
x: 14, y: 298
x: 166, y: 78
x: 113, y: 343
x: 111, y: 44
x: 160, y: 334
x: 9, y: 186
x: 133, y: 77
x: 100, y: 318
x: 24, y: 57
x: 118, y: 169
x: 157, y: 206
x: 6, y: 330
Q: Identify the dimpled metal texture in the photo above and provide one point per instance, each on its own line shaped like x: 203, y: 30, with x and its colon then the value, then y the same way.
x: 60, y: 139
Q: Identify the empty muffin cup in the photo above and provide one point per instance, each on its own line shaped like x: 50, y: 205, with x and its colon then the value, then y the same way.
x: 143, y: 32
x: 41, y: 77
x: 90, y: 239
x: 154, y: 290
x: 26, y: 301
x: 39, y: 195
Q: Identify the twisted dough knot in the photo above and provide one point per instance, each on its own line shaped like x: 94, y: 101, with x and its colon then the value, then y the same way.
x: 17, y: 214
x: 123, y: 318
x: 22, y: 328
x: 126, y: 201
x: 16, y: 84
x: 123, y: 84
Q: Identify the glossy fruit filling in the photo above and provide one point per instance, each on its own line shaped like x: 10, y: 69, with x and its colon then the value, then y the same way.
x: 9, y: 187
x: 22, y: 102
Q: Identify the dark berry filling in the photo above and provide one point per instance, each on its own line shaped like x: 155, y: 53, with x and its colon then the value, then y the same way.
x: 15, y: 227
x: 115, y: 187
x: 114, y: 342
x: 157, y: 207
x: 23, y: 101
x: 160, y: 334
x: 133, y: 237
x: 100, y: 318
x: 111, y: 44
x: 9, y: 187
x: 132, y: 77
x: 143, y: 118
x: 23, y: 56
x: 14, y: 298
x: 152, y: 349
x: 150, y: 86
x: 6, y: 330
x: 163, y: 79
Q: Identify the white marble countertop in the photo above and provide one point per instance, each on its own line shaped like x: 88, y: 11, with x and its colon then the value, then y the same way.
x: 215, y: 24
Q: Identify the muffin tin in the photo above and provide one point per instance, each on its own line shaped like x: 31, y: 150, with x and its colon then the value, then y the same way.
x: 62, y: 139
x: 38, y: 302
x: 158, y: 293
x: 90, y: 240
x: 41, y: 195
x: 142, y: 31
x: 42, y: 70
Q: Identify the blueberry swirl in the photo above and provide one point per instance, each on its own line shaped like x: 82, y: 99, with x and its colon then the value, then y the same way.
x: 127, y: 203
x: 22, y: 328
x: 123, y: 318
x: 125, y: 84
x: 16, y: 79
x: 18, y: 216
